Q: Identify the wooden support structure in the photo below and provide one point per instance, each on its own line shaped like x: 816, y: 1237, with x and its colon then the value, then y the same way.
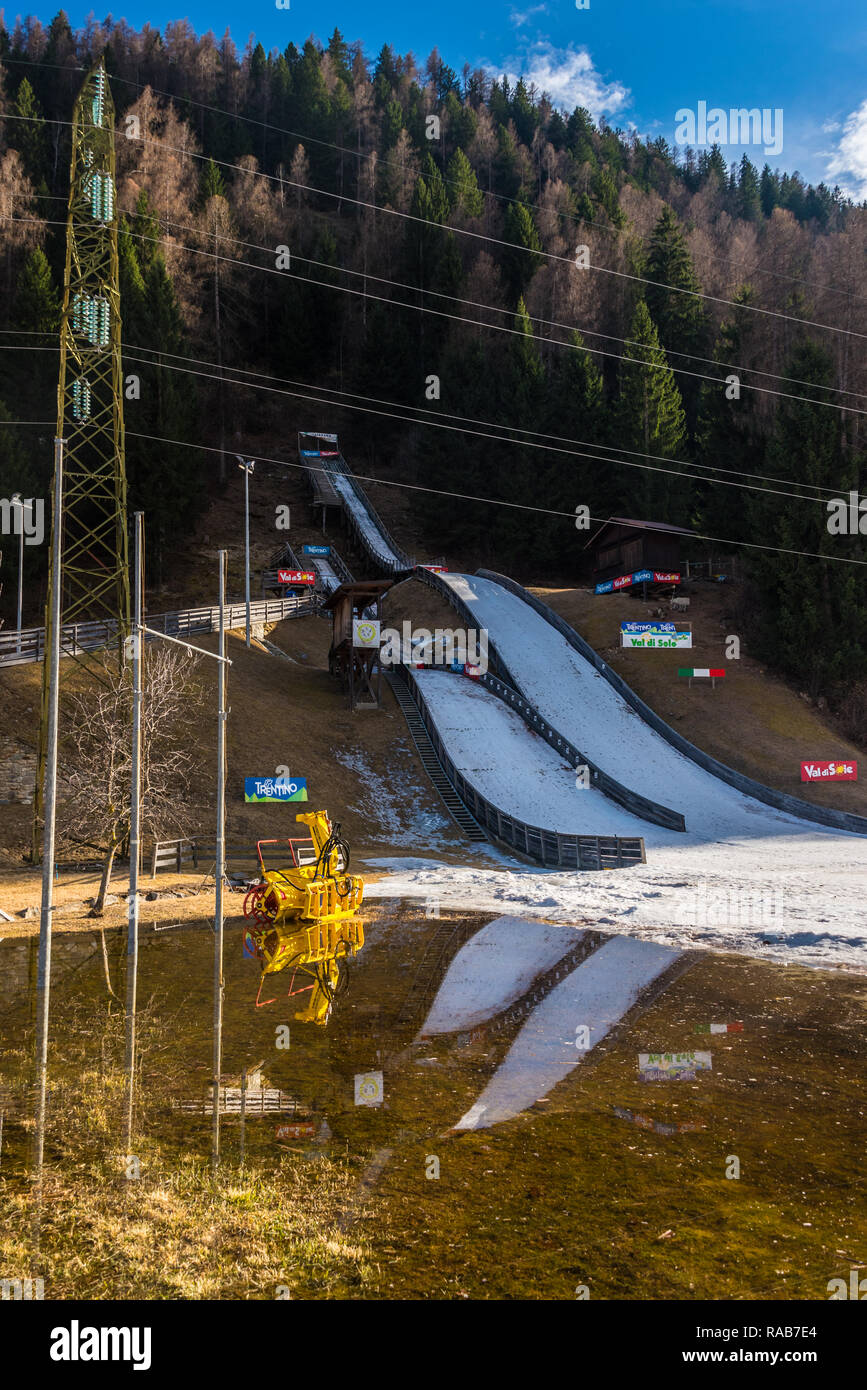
x: 358, y: 667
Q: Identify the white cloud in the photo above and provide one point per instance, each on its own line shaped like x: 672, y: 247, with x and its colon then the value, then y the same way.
x: 520, y: 17
x: 569, y: 78
x: 847, y: 165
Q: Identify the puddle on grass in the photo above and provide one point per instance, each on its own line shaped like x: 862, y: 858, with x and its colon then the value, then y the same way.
x: 785, y: 1095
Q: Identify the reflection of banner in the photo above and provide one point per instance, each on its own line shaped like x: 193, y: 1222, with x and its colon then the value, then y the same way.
x: 840, y: 772
x: 303, y: 1129
x: 368, y: 1088
x: 365, y: 632
x: 434, y: 569
x: 672, y: 1066
x: 638, y: 577
x: 275, y: 789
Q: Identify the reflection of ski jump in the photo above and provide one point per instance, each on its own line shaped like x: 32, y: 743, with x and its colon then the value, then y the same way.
x: 504, y: 962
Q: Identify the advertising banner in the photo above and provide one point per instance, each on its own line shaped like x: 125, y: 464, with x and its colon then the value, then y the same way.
x: 365, y: 632
x: 623, y: 581
x: 275, y: 789
x: 657, y: 638
x: 316, y: 550
x: 837, y: 772
x: 296, y: 577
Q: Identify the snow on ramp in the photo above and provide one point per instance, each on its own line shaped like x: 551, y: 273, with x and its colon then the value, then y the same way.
x: 596, y: 995
x: 511, y: 765
x: 578, y: 701
x: 376, y: 542
x: 494, y: 968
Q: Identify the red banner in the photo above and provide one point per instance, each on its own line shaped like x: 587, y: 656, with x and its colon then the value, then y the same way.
x: 296, y: 577
x: 846, y: 771
x: 303, y: 1130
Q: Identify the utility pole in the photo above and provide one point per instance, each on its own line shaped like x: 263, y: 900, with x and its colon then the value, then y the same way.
x: 137, y: 644
x: 94, y: 583
x: 220, y: 869
x: 248, y: 469
x: 52, y: 662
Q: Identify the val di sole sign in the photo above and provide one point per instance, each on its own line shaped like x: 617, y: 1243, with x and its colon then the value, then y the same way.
x: 846, y: 771
x: 296, y: 577
x: 657, y: 635
x: 275, y: 789
x: 623, y: 581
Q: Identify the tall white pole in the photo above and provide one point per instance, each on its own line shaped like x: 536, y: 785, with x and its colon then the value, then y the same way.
x: 20, y: 576
x: 247, y: 468
x: 52, y: 656
x: 219, y: 870
x: 134, y: 837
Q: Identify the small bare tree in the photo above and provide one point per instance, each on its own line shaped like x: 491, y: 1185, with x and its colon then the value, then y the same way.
x: 98, y: 757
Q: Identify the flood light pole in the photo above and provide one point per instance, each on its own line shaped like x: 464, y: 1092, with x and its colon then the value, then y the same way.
x: 220, y: 868
x: 248, y: 467
x: 134, y: 835
x: 52, y: 659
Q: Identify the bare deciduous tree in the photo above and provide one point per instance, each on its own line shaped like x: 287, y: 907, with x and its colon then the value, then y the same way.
x: 98, y: 757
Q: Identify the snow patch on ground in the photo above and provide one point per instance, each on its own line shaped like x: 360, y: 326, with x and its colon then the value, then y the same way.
x: 810, y: 920
x: 594, y: 996
x: 493, y: 969
x: 386, y: 801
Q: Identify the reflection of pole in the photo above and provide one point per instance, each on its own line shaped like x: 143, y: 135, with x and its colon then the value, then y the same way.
x: 134, y: 835
x: 52, y: 657
x: 20, y: 575
x: 243, y: 1112
x: 220, y: 870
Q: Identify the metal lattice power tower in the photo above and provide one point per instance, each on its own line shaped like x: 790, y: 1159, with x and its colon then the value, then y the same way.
x: 95, y: 564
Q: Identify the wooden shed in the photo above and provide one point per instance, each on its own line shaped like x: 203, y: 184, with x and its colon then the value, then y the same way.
x: 622, y: 546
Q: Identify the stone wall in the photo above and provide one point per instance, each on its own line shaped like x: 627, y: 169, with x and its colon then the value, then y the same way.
x: 17, y: 771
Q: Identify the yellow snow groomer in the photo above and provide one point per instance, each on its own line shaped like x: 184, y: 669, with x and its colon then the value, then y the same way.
x: 304, y: 915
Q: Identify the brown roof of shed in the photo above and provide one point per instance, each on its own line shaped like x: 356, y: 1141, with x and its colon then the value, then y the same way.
x: 638, y: 526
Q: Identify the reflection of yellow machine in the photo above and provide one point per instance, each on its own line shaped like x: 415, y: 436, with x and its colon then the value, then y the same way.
x: 304, y: 915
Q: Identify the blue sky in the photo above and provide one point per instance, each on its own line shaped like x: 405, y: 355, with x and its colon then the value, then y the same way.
x: 635, y: 62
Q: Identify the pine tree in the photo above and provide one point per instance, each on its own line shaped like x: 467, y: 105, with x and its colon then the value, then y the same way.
x: 749, y: 203
x: 463, y: 188
x: 650, y: 419
x: 30, y: 136
x: 808, y: 616
x: 37, y: 301
x: 521, y: 264
x: 728, y: 433
x: 677, y: 313
x: 211, y: 183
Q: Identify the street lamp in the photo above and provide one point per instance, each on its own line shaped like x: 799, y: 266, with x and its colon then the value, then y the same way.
x: 248, y: 465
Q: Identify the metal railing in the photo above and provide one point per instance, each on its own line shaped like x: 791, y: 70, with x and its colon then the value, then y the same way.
x: 781, y: 801
x: 549, y: 847
x: 92, y: 636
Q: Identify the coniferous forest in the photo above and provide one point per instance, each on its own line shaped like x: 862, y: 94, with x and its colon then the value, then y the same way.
x: 407, y: 234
